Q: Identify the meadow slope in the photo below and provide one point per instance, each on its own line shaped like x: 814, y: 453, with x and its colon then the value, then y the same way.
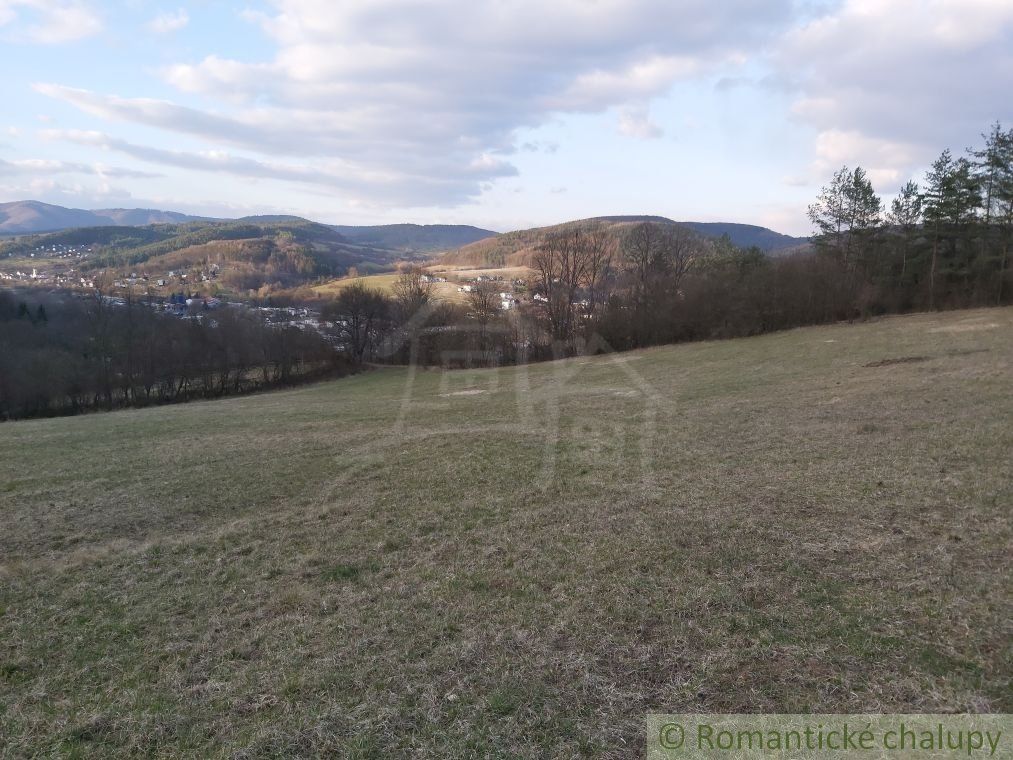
x: 518, y: 562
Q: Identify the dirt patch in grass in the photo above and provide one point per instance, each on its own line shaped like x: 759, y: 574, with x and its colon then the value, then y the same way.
x: 897, y: 360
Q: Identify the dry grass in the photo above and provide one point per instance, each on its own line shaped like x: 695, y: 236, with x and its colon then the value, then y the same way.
x: 464, y: 272
x: 384, y: 565
x: 384, y: 283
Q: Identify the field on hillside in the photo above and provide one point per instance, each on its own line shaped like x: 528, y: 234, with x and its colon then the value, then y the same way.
x: 385, y: 284
x: 519, y: 562
x: 465, y: 273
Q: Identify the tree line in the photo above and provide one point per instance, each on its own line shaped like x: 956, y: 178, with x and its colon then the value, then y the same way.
x: 943, y: 243
x: 67, y: 355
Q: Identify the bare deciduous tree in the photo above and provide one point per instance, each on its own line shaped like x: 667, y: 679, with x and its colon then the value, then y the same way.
x: 360, y: 315
x: 412, y: 292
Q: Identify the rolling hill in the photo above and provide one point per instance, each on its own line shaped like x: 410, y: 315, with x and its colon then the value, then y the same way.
x: 749, y: 235
x: 28, y: 217
x: 741, y: 235
x: 415, y: 238
x: 31, y: 217
x: 515, y: 248
x: 518, y: 562
x: 282, y: 252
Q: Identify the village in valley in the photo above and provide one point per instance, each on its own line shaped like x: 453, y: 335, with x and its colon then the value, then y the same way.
x: 196, y: 292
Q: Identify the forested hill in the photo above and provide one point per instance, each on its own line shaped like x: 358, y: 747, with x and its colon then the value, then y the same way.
x: 748, y: 235
x: 33, y: 217
x: 421, y: 238
x: 741, y: 235
x: 246, y: 254
x: 28, y: 217
x: 515, y: 248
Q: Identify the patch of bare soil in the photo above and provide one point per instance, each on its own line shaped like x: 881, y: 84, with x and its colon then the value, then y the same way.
x: 897, y: 360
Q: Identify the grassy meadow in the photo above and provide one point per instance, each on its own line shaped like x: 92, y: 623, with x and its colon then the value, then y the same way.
x: 519, y: 562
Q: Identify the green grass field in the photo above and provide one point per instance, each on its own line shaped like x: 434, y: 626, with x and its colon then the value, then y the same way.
x: 519, y: 562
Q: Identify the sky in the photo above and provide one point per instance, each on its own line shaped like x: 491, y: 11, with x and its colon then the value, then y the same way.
x: 505, y: 114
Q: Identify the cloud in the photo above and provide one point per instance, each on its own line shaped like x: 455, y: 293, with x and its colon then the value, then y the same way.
x: 331, y: 175
x: 45, y: 167
x: 634, y: 121
x: 882, y: 157
x: 890, y: 84
x: 420, y: 97
x: 170, y: 21
x: 93, y: 195
x: 47, y: 22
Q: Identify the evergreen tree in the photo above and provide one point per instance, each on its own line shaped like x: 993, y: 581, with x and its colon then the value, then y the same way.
x: 993, y: 168
x: 846, y: 212
x: 906, y: 216
x: 829, y: 213
x: 952, y: 200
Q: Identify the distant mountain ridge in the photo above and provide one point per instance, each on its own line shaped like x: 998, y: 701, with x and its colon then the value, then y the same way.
x: 29, y: 217
x: 467, y: 243
x: 34, y: 217
x: 418, y: 237
x: 747, y: 235
x: 518, y: 247
x: 741, y: 235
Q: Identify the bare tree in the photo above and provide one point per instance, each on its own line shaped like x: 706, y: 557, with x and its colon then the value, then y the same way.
x: 600, y: 252
x: 561, y: 265
x: 484, y: 302
x: 652, y: 251
x: 360, y: 315
x: 658, y: 257
x: 412, y: 292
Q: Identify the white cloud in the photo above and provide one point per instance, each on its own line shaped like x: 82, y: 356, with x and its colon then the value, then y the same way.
x: 890, y: 83
x: 47, y: 22
x: 883, y: 158
x: 170, y: 21
x: 46, y: 167
x: 635, y: 121
x: 78, y: 194
x: 370, y: 187
x: 425, y: 99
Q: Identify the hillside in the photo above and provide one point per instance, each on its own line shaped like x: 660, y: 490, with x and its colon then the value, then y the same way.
x: 522, y: 562
x: 749, y: 235
x: 414, y: 238
x: 249, y: 253
x: 741, y: 235
x: 27, y: 217
x: 516, y: 248
x: 506, y: 250
x: 31, y: 217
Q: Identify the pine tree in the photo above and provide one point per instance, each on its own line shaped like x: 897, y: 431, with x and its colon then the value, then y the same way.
x: 952, y: 200
x: 829, y: 213
x: 993, y: 168
x: 905, y: 215
x: 845, y: 212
